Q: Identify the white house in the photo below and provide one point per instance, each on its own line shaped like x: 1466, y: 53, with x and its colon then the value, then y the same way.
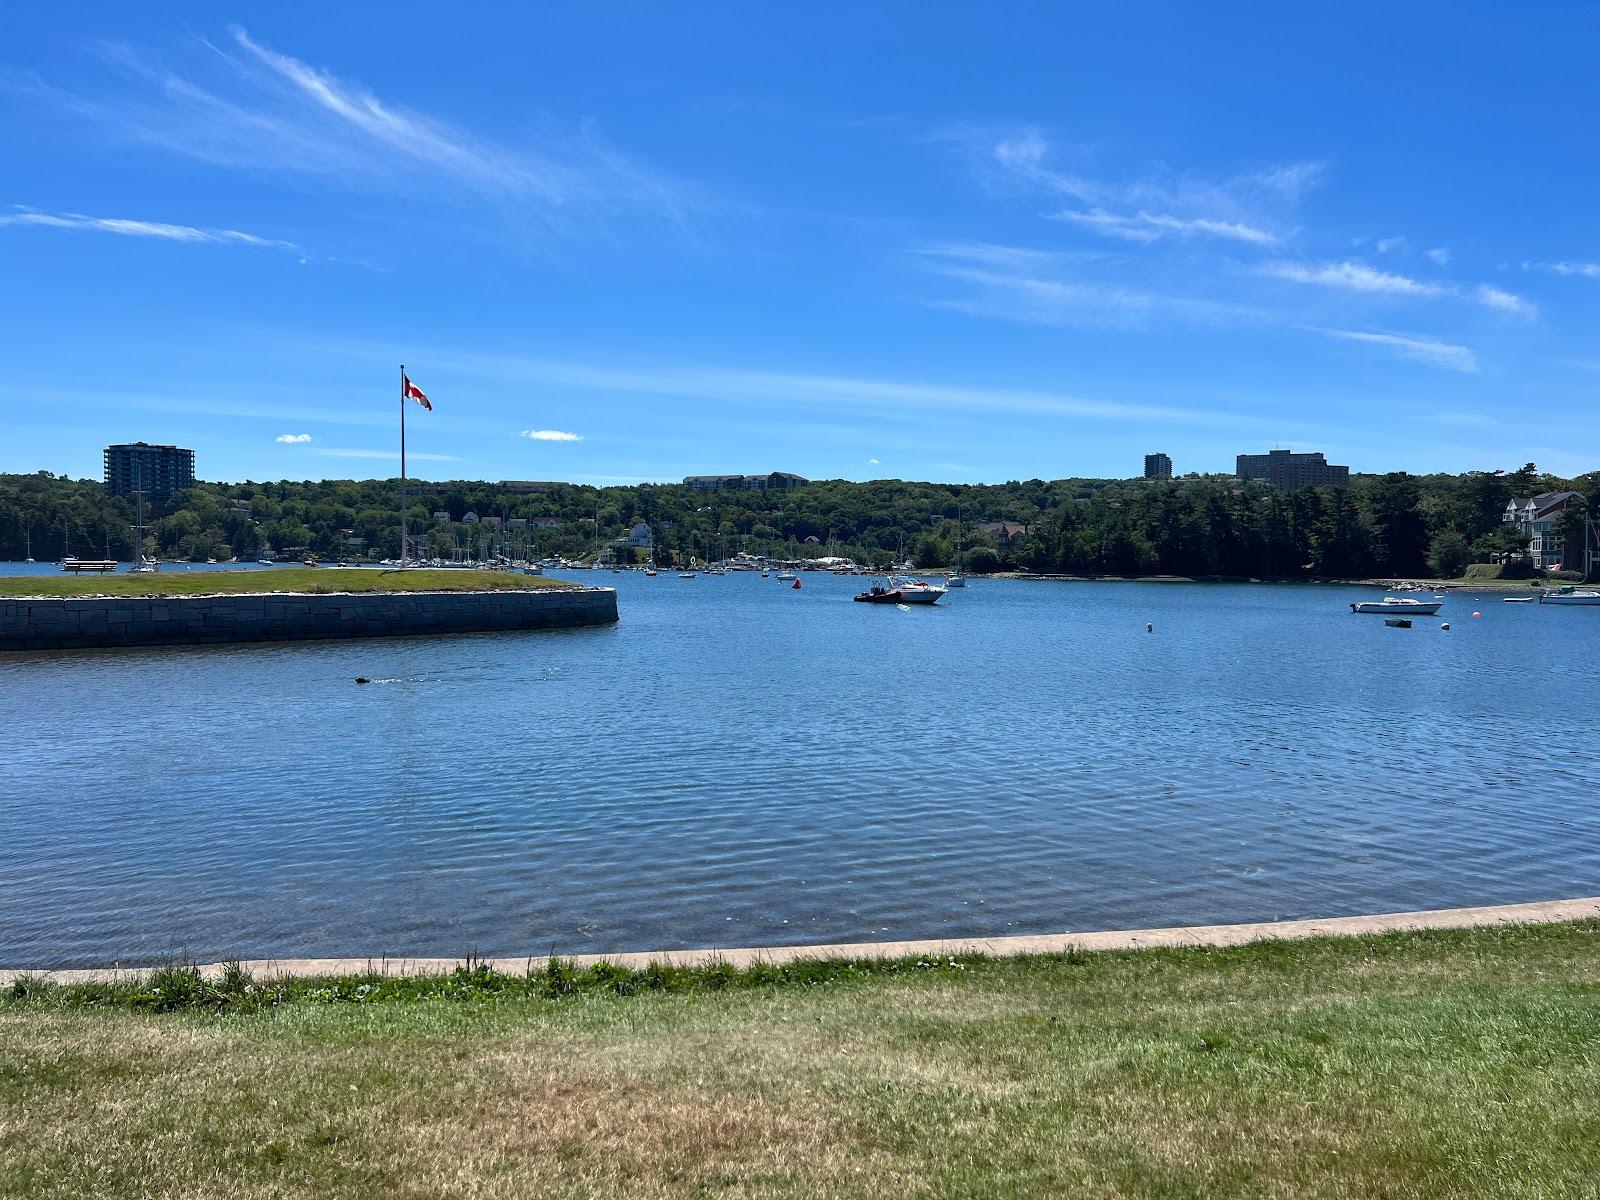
x: 641, y: 537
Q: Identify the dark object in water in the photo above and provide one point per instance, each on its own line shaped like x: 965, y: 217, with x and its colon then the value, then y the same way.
x: 362, y: 679
x: 1398, y: 622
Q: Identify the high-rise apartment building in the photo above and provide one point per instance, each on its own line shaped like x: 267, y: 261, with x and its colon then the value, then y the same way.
x: 157, y: 471
x: 1157, y: 466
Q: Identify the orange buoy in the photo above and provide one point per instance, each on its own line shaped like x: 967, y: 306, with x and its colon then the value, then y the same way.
x: 1477, y: 614
x: 796, y: 586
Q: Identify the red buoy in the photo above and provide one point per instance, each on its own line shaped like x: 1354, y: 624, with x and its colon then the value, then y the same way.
x: 796, y: 585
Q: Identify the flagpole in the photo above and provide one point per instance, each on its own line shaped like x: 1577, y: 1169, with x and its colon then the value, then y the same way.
x: 402, y: 464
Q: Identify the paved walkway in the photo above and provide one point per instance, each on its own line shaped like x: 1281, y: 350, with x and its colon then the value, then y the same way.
x: 1542, y: 912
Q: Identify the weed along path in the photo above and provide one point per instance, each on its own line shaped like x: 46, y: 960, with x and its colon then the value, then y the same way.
x: 1213, y: 936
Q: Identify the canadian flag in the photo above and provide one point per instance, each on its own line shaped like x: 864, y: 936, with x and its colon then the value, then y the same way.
x: 412, y: 392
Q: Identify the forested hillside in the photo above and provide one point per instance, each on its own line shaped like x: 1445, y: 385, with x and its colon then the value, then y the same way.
x: 1380, y: 525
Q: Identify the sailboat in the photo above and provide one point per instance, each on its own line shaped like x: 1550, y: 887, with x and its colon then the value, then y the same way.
x: 956, y: 578
x: 145, y: 566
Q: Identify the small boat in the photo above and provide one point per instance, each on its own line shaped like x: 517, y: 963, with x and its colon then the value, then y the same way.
x: 1404, y: 605
x: 765, y: 574
x: 1516, y: 600
x: 98, y: 565
x: 795, y: 586
x: 265, y: 562
x: 685, y: 574
x: 785, y: 576
x: 650, y: 572
x: 1398, y: 622
x: 1569, y: 595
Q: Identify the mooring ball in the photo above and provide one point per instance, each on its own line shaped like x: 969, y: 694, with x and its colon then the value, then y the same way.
x: 1477, y: 614
x: 1446, y: 625
x: 362, y: 679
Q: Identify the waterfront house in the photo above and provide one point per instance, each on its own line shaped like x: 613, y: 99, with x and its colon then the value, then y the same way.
x: 1535, y: 517
x: 1004, y: 533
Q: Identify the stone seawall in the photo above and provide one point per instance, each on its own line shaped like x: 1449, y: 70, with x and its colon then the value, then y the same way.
x: 72, y: 624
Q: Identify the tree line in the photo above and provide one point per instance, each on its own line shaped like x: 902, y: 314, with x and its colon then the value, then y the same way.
x: 1380, y: 525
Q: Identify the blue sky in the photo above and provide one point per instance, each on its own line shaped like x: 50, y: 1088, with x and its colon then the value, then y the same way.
x: 913, y: 241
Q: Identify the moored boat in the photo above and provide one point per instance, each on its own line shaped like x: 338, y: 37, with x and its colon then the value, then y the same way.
x: 1570, y: 596
x: 901, y: 591
x: 1397, y: 606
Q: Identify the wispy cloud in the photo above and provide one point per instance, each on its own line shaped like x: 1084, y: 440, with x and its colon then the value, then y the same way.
x: 244, y: 104
x: 1008, y: 283
x: 385, y: 454
x: 551, y: 435
x: 1157, y: 202
x: 872, y: 462
x: 1586, y: 270
x: 1350, y: 276
x: 293, y: 439
x: 1504, y: 301
x: 1390, y: 243
x: 1440, y: 255
x: 1430, y: 351
x: 140, y: 229
x: 994, y: 256
x: 1358, y: 277
x: 1148, y: 227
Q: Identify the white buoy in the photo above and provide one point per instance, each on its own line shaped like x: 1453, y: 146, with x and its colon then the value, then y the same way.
x: 1149, y: 627
x: 1445, y: 626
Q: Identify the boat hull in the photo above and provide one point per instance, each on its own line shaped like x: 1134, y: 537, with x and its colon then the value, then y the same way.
x: 1419, y: 609
x: 1570, y: 599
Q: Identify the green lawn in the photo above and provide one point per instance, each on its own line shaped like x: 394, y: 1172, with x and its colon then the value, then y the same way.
x: 175, y: 581
x: 1462, y: 1063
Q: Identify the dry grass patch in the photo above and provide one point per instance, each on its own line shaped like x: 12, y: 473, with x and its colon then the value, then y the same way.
x: 1338, y: 1069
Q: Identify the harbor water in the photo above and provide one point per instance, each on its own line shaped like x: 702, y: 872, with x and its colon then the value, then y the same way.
x: 738, y: 762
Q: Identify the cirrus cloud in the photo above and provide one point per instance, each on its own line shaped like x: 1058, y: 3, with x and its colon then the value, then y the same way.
x: 293, y: 439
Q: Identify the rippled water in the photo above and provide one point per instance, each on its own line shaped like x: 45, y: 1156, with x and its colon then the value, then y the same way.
x: 738, y: 763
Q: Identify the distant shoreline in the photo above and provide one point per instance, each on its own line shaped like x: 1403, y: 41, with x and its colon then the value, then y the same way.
x: 1438, y: 585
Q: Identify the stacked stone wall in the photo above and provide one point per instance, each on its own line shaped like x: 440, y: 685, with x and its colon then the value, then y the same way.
x: 28, y: 623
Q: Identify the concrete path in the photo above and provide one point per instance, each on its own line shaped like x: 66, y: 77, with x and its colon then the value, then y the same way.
x: 1542, y: 912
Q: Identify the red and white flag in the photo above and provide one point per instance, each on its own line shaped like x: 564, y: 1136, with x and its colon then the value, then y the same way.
x: 412, y: 392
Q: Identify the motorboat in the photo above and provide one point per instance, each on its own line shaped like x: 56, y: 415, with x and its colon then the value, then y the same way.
x: 685, y: 574
x: 955, y: 579
x: 1570, y: 596
x: 785, y: 576
x: 901, y: 591
x: 1516, y: 600
x: 1401, y: 606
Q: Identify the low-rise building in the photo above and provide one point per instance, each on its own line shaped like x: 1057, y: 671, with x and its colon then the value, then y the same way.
x: 773, y: 481
x: 641, y: 537
x: 1288, y: 469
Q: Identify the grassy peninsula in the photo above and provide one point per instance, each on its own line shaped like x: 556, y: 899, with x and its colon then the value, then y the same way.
x: 175, y: 581
x: 1418, y: 1064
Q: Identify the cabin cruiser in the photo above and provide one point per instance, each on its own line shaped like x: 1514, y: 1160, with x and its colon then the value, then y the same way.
x: 898, y: 590
x: 1398, y: 606
x: 1569, y: 595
